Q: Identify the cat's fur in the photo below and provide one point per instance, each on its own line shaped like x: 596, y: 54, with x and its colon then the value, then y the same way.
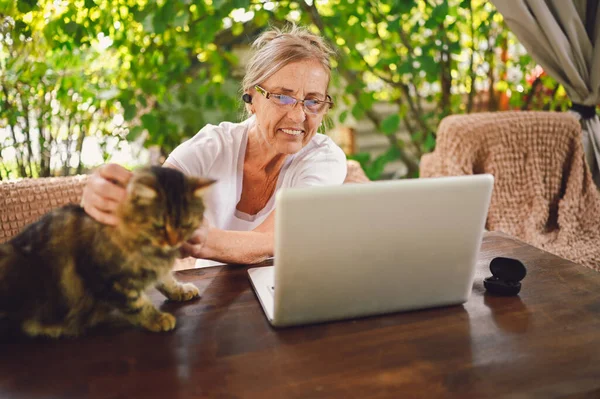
x: 66, y: 272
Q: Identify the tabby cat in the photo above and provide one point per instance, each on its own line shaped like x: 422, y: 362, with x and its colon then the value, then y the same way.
x: 66, y: 272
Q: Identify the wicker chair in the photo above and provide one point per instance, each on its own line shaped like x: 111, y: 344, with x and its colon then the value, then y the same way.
x: 24, y: 201
x: 543, y: 192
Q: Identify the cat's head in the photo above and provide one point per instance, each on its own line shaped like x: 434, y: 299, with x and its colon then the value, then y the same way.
x: 163, y: 207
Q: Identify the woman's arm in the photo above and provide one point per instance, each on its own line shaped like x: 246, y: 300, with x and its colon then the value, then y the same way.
x: 245, y: 247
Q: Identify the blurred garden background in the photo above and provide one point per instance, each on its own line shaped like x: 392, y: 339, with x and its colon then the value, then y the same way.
x: 88, y: 81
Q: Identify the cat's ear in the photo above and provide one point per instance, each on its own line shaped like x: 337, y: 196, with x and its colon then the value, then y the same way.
x: 201, y: 185
x: 142, y: 189
x: 144, y: 192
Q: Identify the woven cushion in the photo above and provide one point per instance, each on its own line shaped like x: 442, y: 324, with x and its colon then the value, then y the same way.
x: 24, y: 201
x: 543, y: 193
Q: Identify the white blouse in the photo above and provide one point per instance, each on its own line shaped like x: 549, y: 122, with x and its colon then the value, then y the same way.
x: 218, y: 152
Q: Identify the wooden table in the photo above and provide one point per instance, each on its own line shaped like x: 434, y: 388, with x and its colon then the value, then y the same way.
x: 543, y: 344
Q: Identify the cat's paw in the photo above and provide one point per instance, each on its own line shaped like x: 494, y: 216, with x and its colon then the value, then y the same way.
x: 34, y: 328
x: 183, y: 292
x: 160, y: 321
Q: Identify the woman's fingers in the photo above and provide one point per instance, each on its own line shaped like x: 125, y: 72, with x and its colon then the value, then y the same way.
x: 102, y: 217
x: 188, y: 249
x: 103, y: 204
x: 115, y: 173
x: 198, y: 237
x: 104, y: 191
x: 194, y: 245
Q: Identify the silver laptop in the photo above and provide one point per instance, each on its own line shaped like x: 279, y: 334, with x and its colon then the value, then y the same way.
x: 365, y: 249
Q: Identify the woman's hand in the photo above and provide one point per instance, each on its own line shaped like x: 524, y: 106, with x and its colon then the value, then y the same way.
x: 104, y: 191
x: 230, y: 246
x: 196, y: 244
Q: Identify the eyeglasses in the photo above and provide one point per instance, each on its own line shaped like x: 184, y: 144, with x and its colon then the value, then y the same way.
x: 311, y: 105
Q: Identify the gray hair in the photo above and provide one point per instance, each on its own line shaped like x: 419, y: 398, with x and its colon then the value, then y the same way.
x: 277, y: 48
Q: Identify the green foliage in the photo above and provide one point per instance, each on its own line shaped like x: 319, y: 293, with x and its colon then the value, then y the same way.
x: 158, y: 71
x: 390, y: 124
x: 51, y: 97
x: 374, y: 167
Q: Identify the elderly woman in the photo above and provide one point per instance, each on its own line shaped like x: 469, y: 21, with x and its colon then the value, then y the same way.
x: 285, y: 91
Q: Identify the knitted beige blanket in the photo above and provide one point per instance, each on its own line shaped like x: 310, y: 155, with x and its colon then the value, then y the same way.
x: 543, y: 191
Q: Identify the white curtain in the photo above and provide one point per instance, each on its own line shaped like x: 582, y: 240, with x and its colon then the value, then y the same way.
x: 563, y: 36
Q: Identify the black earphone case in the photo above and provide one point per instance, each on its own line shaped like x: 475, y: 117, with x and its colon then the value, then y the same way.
x: 507, y: 274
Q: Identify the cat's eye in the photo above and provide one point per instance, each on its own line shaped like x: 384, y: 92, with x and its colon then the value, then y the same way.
x: 187, y: 225
x: 158, y: 226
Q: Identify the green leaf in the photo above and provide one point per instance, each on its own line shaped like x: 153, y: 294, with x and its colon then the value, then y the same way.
x: 378, y: 165
x: 429, y: 144
x: 402, y: 6
x: 130, y: 112
x: 366, y: 100
x: 357, y: 111
x: 429, y: 65
x: 218, y: 4
x: 390, y: 124
x: 237, y: 29
x: 343, y: 116
x: 168, y: 12
x: 134, y: 133
x: 261, y: 18
x: 241, y: 3
x: 150, y: 122
x: 417, y: 137
x: 22, y: 28
x: 149, y: 86
x: 439, y: 13
x: 25, y: 6
x: 394, y: 25
x: 142, y: 100
x: 158, y: 23
x: 405, y: 67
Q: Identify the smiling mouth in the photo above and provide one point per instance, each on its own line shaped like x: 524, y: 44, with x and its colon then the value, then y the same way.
x: 292, y: 132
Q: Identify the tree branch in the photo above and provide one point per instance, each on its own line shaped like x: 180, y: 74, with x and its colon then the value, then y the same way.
x: 68, y: 154
x: 472, y: 74
x: 492, y: 100
x: 79, y: 146
x: 445, y: 72
x: 415, y: 105
x: 27, y: 131
x: 351, y: 76
x: 18, y: 157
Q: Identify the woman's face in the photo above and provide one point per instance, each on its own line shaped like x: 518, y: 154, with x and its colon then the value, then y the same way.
x: 289, y: 128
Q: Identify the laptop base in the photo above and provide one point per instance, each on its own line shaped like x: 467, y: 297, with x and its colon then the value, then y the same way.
x: 262, y: 282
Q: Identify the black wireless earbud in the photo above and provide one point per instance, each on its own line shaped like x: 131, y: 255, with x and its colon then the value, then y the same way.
x: 507, y: 274
x: 247, y: 98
